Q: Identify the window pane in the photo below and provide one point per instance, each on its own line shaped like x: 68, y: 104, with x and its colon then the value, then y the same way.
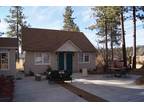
x: 45, y: 58
x: 86, y: 58
x: 80, y: 57
x: 3, y: 60
x: 38, y: 58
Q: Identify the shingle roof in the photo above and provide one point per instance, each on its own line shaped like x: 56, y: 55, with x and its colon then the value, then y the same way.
x: 8, y: 42
x: 50, y: 40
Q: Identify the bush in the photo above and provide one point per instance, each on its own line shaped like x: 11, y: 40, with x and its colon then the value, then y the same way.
x: 56, y: 76
x: 6, y: 88
x: 31, y: 73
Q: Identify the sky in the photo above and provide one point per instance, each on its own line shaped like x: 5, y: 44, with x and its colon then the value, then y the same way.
x: 51, y: 17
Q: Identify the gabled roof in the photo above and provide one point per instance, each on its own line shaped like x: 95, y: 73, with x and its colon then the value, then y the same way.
x: 69, y: 46
x: 50, y: 40
x: 8, y: 42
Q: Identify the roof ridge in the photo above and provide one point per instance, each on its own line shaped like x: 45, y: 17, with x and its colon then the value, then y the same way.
x: 53, y: 30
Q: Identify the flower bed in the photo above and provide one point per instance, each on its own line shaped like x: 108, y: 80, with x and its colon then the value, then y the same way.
x: 6, y: 89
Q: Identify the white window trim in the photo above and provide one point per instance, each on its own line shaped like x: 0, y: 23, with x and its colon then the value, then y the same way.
x: 83, y: 58
x: 8, y: 60
x: 42, y: 57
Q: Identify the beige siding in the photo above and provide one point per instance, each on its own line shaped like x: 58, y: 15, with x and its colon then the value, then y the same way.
x: 54, y: 60
x: 12, y: 63
x: 91, y: 65
x: 75, y: 62
x: 30, y: 65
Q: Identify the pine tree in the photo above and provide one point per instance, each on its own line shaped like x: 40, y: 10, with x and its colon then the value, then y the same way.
x: 16, y: 20
x: 1, y: 33
x: 69, y: 24
x: 122, y: 10
x: 137, y: 13
x: 107, y: 26
x: 134, y: 37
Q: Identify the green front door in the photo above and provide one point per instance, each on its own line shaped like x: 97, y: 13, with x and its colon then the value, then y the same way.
x: 65, y: 61
x: 69, y: 62
x: 61, y: 61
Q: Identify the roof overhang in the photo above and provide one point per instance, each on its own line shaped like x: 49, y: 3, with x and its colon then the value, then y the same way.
x: 8, y: 48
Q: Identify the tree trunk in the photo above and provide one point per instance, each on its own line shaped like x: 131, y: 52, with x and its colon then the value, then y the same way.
x: 106, y: 45
x: 123, y: 38
x: 111, y: 45
x: 134, y: 37
x: 17, y: 33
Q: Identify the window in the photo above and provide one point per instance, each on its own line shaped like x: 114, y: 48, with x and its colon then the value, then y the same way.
x: 42, y: 58
x: 81, y: 57
x: 45, y: 58
x: 84, y: 58
x: 3, y: 61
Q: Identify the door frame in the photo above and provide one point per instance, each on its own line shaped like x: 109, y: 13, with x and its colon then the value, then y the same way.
x: 64, y: 60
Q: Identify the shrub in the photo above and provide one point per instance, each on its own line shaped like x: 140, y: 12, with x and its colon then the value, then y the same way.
x: 31, y: 73
x: 6, y: 88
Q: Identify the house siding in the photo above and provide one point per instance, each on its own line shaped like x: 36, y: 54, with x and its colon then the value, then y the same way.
x: 91, y: 65
x: 75, y: 62
x: 30, y: 65
x: 12, y: 63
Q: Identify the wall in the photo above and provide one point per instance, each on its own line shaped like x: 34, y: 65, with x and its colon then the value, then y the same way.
x: 29, y: 63
x: 91, y: 65
x: 12, y: 63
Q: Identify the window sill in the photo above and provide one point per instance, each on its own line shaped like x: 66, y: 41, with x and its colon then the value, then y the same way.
x: 43, y: 64
x: 84, y: 62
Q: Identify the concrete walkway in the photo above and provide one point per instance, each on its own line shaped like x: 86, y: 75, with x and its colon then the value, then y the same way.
x: 111, y: 88
x: 29, y: 90
x: 107, y: 87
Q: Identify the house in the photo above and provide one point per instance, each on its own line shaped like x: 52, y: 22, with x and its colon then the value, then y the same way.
x: 61, y: 50
x: 8, y: 47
